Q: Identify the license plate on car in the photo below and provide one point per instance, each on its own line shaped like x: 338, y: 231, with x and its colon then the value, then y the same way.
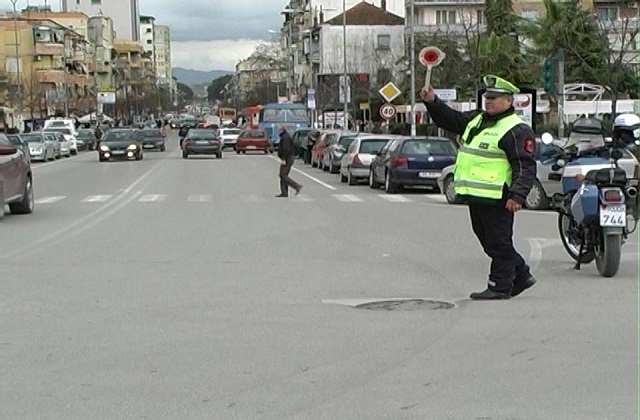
x: 251, y: 147
x: 202, y: 142
x: 118, y: 152
x: 613, y: 216
x: 429, y: 174
x: 149, y: 146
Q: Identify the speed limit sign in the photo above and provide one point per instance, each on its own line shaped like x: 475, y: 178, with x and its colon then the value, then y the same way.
x: 387, y: 111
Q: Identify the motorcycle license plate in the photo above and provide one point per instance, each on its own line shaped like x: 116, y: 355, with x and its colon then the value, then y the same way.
x: 613, y: 216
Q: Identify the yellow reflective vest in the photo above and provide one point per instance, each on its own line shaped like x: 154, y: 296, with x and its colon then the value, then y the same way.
x: 482, y: 168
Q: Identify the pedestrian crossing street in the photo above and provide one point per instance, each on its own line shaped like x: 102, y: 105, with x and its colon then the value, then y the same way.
x: 258, y: 198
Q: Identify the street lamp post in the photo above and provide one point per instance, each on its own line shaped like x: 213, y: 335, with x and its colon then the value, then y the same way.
x: 345, y: 80
x: 15, y: 34
x: 412, y: 54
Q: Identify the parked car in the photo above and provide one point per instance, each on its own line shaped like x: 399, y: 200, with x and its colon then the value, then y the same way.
x: 253, y: 140
x: 41, y: 147
x: 410, y: 162
x: 336, y: 147
x: 17, y: 141
x: 307, y: 145
x: 120, y: 143
x: 202, y: 142
x: 317, y: 151
x: 153, y: 138
x: 86, y: 139
x: 229, y: 136
x: 69, y: 136
x: 16, y: 179
x: 356, y: 162
x: 63, y: 140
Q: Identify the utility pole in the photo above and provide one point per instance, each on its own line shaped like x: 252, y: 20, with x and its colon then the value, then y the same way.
x: 412, y: 60
x: 560, y: 92
x: 18, y: 75
x: 345, y: 81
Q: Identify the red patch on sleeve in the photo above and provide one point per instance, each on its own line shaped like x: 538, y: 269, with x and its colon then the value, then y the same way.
x: 529, y: 145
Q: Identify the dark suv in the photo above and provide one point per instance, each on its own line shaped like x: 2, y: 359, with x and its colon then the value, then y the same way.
x: 16, y: 179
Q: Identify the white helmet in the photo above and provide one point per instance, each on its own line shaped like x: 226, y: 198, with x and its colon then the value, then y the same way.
x: 628, y: 124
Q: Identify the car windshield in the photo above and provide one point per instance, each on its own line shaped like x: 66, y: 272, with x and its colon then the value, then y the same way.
x: 58, y: 130
x: 426, y: 147
x: 371, y: 146
x: 151, y: 133
x: 285, y: 115
x: 32, y: 138
x: 118, y: 136
x: 202, y: 134
x: 252, y: 134
x: 85, y: 133
x: 345, y: 141
x: 230, y: 131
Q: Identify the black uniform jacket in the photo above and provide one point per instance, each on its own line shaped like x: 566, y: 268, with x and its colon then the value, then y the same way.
x: 285, y: 148
x: 518, y: 144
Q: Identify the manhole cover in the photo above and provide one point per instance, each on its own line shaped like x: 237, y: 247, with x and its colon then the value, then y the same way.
x: 405, y: 305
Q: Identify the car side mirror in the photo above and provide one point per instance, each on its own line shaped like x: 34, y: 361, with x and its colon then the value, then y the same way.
x: 8, y: 150
x: 555, y: 177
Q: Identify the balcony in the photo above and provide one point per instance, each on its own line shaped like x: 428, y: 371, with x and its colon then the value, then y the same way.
x: 456, y: 29
x: 50, y: 76
x: 48, y: 49
x: 419, y: 3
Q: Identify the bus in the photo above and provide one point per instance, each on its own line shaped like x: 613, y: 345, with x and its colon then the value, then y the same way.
x: 227, y: 115
x: 289, y: 114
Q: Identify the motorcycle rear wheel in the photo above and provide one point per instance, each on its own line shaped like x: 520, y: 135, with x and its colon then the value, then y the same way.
x: 565, y: 225
x: 608, y: 256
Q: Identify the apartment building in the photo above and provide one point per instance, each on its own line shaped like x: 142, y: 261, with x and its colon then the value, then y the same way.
x: 124, y: 13
x: 147, y: 34
x: 162, y: 54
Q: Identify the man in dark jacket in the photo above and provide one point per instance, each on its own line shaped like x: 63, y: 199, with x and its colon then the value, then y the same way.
x: 495, y: 171
x: 287, y: 156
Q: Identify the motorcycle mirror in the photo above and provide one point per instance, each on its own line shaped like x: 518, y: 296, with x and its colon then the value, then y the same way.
x: 547, y: 138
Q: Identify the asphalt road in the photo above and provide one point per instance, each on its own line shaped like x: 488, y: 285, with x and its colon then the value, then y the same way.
x: 182, y: 289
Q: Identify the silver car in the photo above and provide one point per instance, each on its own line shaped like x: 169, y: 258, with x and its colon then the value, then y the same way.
x: 41, y: 147
x: 548, y: 182
x: 355, y: 163
x: 66, y: 145
x: 229, y: 136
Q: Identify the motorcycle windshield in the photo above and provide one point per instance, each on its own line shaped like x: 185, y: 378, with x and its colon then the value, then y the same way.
x: 586, y: 134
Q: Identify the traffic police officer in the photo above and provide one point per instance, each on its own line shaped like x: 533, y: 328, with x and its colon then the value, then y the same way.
x: 495, y: 170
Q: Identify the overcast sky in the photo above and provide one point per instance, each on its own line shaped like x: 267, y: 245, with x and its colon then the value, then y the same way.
x: 216, y: 34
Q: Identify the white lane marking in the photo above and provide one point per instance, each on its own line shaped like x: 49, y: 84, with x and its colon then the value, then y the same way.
x: 536, y: 246
x: 313, y: 178
x: 303, y: 198
x: 438, y: 198
x: 82, y: 223
x: 97, y: 198
x: 200, y: 198
x: 251, y: 198
x: 148, y: 198
x: 395, y: 198
x: 49, y: 200
x: 347, y: 198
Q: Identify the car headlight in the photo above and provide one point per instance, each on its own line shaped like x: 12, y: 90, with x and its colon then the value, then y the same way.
x: 132, y: 147
x: 104, y: 148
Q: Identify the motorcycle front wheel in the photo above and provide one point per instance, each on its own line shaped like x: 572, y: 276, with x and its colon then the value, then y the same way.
x: 567, y: 228
x: 608, y: 254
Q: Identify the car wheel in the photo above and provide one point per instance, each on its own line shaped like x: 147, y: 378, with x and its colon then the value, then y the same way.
x: 185, y: 155
x: 139, y: 156
x: 219, y: 155
x: 351, y: 179
x: 450, y: 191
x: 390, y: 187
x: 373, y: 184
x: 24, y: 206
x: 237, y: 152
x: 343, y: 178
x: 163, y: 148
x: 537, y: 198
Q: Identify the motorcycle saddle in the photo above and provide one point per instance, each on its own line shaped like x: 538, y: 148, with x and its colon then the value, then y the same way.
x: 602, y: 177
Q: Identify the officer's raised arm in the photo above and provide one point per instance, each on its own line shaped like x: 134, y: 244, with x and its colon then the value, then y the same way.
x: 444, y: 116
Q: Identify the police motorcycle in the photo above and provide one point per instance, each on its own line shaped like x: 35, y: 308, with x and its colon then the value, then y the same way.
x: 598, y: 206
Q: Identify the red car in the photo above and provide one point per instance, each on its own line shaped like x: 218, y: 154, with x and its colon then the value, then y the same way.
x: 252, y: 141
x: 16, y: 179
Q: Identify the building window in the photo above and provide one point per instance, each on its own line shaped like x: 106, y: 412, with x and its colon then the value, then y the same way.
x: 444, y: 17
x: 94, y: 1
x: 148, y: 30
x: 149, y: 41
x: 384, y: 76
x: 530, y: 14
x: 607, y: 13
x: 384, y: 42
x: 480, y: 17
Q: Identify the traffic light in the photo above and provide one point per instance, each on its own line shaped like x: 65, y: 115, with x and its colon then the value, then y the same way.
x: 549, y: 75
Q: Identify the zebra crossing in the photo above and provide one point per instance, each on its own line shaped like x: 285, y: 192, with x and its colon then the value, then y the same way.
x: 257, y: 198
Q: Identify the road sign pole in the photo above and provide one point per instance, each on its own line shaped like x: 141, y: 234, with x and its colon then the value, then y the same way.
x: 412, y: 63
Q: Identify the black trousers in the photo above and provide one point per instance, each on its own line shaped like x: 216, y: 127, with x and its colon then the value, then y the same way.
x: 493, y: 225
x: 285, y: 180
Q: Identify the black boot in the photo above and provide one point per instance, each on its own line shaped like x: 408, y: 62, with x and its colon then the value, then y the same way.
x: 521, y: 286
x: 489, y: 294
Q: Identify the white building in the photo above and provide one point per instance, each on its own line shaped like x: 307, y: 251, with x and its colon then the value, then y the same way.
x: 147, y: 34
x: 333, y: 8
x: 124, y: 13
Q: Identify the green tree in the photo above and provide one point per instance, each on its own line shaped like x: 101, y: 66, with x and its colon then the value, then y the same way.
x: 500, y: 17
x: 185, y: 91
x: 215, y: 89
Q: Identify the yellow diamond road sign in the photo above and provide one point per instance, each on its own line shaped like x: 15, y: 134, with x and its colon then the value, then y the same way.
x: 389, y: 92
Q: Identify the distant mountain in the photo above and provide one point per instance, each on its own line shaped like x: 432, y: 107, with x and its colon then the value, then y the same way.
x: 197, y: 77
